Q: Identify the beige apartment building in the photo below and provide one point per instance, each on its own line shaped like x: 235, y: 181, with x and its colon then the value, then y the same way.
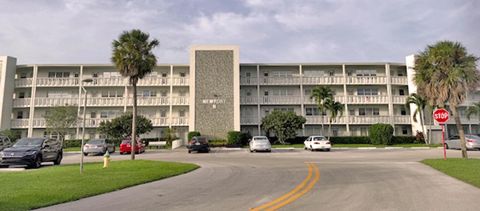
x: 215, y: 93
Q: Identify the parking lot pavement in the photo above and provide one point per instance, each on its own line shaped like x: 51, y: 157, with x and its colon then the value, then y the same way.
x: 240, y: 180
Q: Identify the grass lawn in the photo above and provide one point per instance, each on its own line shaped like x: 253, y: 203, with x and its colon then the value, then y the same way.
x: 359, y: 145
x: 465, y: 170
x: 52, y: 185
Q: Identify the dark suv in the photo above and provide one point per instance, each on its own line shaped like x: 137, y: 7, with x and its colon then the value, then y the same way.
x: 32, y: 152
x: 199, y: 144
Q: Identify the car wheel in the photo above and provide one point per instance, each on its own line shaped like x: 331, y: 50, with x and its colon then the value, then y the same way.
x: 446, y: 146
x: 311, y: 148
x: 251, y: 151
x: 59, y: 159
x: 85, y: 154
x: 328, y: 150
x: 189, y: 151
x: 121, y: 152
x: 305, y: 148
x: 37, y: 163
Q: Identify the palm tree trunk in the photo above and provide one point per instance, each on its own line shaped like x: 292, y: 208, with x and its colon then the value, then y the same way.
x: 329, y: 129
x: 321, y: 115
x: 458, y: 123
x: 134, y: 120
x: 423, y: 127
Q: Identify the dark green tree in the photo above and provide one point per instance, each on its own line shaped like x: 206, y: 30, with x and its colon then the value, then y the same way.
x: 380, y: 133
x: 121, y: 127
x: 445, y: 72
x: 13, y: 135
x: 420, y: 102
x: 334, y: 109
x: 321, y: 94
x: 283, y: 124
x: 60, y: 119
x: 132, y: 55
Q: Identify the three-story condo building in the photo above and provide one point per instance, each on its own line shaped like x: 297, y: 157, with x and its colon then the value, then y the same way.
x: 214, y: 94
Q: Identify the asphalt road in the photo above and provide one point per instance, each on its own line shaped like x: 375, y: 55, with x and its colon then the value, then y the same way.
x: 296, y: 180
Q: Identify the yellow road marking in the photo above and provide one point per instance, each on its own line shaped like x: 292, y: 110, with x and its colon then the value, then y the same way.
x: 298, y: 195
x: 294, y: 194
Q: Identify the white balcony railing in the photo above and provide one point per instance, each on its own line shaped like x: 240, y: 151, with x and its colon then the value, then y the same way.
x: 399, y: 99
x: 281, y: 100
x: 57, y: 81
x: 180, y: 81
x: 153, y: 81
x: 23, y: 82
x: 366, y: 80
x: 338, y: 98
x: 150, y: 101
x: 55, y: 101
x: 323, y: 80
x: 367, y: 99
x: 21, y: 102
x: 325, y: 120
x: 162, y: 121
x: 19, y: 123
x: 180, y: 121
x: 369, y: 119
x: 179, y: 100
x: 248, y: 100
x: 249, y: 120
x: 104, y: 101
x: 248, y: 81
x: 402, y: 119
x: 293, y: 80
x: 107, y: 81
x: 399, y: 80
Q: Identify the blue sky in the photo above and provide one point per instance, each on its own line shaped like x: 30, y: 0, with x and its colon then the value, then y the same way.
x: 81, y: 31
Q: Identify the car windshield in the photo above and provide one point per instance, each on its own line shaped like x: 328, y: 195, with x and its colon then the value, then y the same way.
x: 202, y: 140
x: 260, y: 138
x: 472, y: 137
x: 96, y: 141
x: 28, y: 142
x: 319, y: 139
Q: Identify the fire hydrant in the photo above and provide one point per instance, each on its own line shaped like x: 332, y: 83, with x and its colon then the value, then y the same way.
x: 106, y: 159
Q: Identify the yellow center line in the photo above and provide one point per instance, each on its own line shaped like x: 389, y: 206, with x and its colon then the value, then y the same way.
x: 298, y: 195
x: 291, y: 193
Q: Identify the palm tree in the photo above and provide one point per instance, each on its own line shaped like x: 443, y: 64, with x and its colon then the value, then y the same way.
x: 474, y: 110
x: 132, y: 55
x: 335, y: 110
x: 445, y: 72
x: 421, y: 103
x: 321, y: 95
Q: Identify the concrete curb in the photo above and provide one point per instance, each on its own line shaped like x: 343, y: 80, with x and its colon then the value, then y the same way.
x: 11, y: 169
x: 286, y: 148
x: 419, y: 147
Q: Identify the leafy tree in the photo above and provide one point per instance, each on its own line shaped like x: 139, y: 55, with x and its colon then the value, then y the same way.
x: 191, y: 134
x: 121, y: 127
x: 474, y: 110
x: 421, y: 103
x: 60, y: 118
x: 132, y: 55
x: 335, y: 109
x: 445, y: 72
x: 283, y: 124
x: 381, y: 133
x: 11, y: 134
x: 169, y: 136
x: 321, y: 94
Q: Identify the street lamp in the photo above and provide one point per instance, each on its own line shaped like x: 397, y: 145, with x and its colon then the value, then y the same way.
x: 84, y: 117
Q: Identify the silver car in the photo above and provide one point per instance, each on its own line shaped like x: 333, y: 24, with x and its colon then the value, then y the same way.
x: 472, y: 142
x: 98, y: 146
x: 260, y: 143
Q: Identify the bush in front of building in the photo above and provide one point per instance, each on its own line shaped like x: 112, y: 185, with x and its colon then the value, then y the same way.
x: 233, y: 138
x: 381, y: 134
x: 217, y: 143
x: 404, y: 140
x: 192, y: 134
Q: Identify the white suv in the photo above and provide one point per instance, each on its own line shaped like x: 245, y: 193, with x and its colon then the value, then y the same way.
x: 317, y: 143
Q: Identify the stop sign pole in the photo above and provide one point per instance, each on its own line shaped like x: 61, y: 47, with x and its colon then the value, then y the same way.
x: 441, y: 116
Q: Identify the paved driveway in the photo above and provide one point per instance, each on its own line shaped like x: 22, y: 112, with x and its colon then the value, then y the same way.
x: 293, y: 180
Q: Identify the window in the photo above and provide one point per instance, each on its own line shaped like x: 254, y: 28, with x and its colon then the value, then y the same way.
x: 164, y: 75
x: 330, y: 73
x: 163, y: 94
x: 95, y: 75
x: 66, y: 74
x: 400, y: 74
x: 163, y: 114
x: 312, y: 111
x: 58, y: 74
x: 403, y: 112
x: 284, y: 109
x: 93, y: 115
x: 21, y: 95
x: 249, y: 93
x: 367, y: 91
x: 51, y: 74
x: 366, y: 73
x: 23, y: 75
x: 265, y: 74
x: 182, y: 113
x: 247, y: 74
x: 182, y: 75
x: 182, y: 94
x: 404, y: 130
x: 75, y: 75
x: 20, y: 115
x: 104, y: 114
x: 369, y: 111
x: 401, y: 92
x: 266, y: 93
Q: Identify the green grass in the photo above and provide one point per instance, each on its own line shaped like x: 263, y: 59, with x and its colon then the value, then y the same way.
x: 71, y: 149
x: 462, y: 169
x: 359, y: 145
x: 57, y: 184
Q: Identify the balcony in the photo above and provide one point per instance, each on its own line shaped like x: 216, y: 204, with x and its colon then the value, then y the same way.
x: 19, y: 123
x: 180, y: 81
x: 281, y: 100
x: 23, y: 82
x: 291, y: 80
x: 399, y: 80
x: 367, y: 99
x: 104, y: 101
x: 179, y: 100
x: 369, y: 119
x: 324, y: 120
x: 21, y: 102
x: 249, y: 120
x: 248, y: 81
x: 323, y: 80
x: 402, y: 119
x: 249, y: 100
x: 53, y: 101
x: 338, y: 98
x: 179, y: 121
x: 367, y: 80
x: 56, y: 82
x: 399, y: 99
x: 110, y: 81
x: 150, y: 101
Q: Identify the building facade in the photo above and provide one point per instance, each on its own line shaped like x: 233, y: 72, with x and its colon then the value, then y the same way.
x: 214, y: 94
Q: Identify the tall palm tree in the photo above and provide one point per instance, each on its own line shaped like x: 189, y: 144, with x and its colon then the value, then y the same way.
x: 474, y: 110
x: 321, y: 95
x: 445, y: 72
x: 421, y: 103
x: 132, y: 55
x: 335, y: 109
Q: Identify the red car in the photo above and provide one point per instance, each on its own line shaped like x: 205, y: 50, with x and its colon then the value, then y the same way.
x: 125, y: 146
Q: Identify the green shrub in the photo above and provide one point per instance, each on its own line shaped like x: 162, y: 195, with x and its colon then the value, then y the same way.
x: 217, y: 143
x: 404, y: 140
x: 192, y: 134
x: 381, y: 134
x: 350, y: 140
x: 73, y: 143
x: 233, y: 138
x: 244, y: 138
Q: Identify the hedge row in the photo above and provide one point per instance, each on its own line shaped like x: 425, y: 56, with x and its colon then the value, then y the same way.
x: 116, y: 142
x: 351, y: 140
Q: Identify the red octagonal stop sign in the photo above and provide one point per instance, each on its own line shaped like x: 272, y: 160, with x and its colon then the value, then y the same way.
x: 441, y: 115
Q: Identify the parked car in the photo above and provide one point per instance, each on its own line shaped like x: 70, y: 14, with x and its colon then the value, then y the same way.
x: 472, y: 142
x: 125, y: 146
x: 198, y: 144
x: 5, y: 142
x: 98, y: 146
x: 260, y: 143
x: 32, y: 152
x: 317, y: 143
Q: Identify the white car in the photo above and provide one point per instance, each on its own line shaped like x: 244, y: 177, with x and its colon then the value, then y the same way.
x: 317, y: 143
x: 472, y: 142
x: 260, y: 143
